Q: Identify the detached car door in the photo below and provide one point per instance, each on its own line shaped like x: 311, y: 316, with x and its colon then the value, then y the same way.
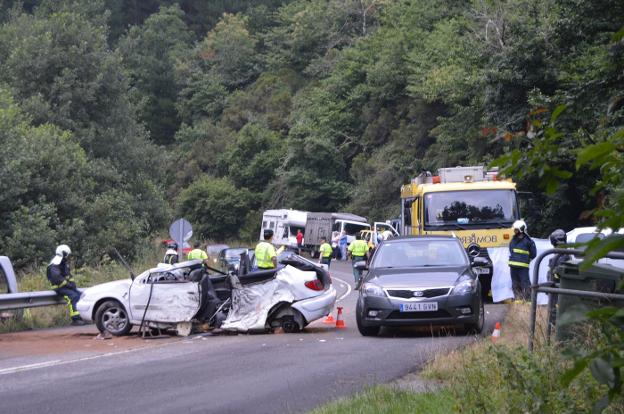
x: 166, y: 296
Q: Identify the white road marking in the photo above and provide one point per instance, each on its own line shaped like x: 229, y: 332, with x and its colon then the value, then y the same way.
x: 58, y: 362
x: 27, y: 367
x: 344, y: 283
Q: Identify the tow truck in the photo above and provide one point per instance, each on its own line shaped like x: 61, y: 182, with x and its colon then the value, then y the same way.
x: 471, y: 203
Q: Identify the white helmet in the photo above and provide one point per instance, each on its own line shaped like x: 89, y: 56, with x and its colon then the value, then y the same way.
x: 63, y: 250
x: 519, y: 225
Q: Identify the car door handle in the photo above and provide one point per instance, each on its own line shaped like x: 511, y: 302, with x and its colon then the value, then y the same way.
x: 191, y: 293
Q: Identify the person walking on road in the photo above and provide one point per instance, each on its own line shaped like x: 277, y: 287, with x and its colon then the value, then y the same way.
x: 171, y: 255
x: 299, y: 241
x: 342, y: 243
x: 521, y: 251
x: 266, y: 256
x: 63, y: 283
x: 197, y: 253
x: 325, y: 252
x: 358, y: 249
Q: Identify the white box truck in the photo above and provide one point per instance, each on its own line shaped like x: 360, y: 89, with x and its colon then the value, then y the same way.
x: 284, y: 223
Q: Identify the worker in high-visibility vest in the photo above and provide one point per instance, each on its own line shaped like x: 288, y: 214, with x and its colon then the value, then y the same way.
x: 266, y: 256
x: 358, y: 250
x: 521, y: 251
x: 326, y: 252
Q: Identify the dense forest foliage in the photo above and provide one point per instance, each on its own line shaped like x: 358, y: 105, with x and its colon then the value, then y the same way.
x: 116, y: 116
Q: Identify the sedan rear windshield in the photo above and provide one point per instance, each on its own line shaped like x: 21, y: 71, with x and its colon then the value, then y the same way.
x: 420, y: 253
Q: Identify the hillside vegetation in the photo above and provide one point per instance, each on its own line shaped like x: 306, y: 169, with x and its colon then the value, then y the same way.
x: 116, y: 116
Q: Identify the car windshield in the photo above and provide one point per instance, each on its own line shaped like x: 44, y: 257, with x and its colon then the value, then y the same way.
x: 474, y: 207
x: 420, y: 253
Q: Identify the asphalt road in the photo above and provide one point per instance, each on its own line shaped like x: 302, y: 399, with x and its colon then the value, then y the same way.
x: 217, y: 374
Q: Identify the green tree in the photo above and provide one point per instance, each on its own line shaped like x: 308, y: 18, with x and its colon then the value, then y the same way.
x: 252, y: 159
x: 150, y: 53
x: 215, y: 206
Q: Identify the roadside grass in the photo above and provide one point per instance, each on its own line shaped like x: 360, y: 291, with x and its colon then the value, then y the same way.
x: 504, y: 377
x: 55, y: 316
x: 388, y: 399
x: 501, y: 377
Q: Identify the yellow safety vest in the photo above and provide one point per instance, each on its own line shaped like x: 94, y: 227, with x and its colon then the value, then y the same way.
x: 264, y: 253
x: 326, y: 250
x: 197, y: 254
x: 358, y: 248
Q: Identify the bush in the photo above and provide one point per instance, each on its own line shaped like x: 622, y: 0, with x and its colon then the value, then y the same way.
x: 215, y: 207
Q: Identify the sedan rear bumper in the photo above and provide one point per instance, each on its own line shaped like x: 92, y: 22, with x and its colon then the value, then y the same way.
x: 452, y: 310
x: 318, y: 306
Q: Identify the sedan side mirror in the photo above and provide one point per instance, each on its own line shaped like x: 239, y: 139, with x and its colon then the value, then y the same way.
x: 361, y: 265
x: 479, y: 261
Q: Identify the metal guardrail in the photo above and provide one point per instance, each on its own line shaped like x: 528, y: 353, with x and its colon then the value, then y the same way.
x: 11, y: 301
x: 550, y: 288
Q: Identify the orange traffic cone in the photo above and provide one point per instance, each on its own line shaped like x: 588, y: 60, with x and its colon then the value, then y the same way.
x: 339, y: 321
x: 329, y: 320
x: 497, y: 332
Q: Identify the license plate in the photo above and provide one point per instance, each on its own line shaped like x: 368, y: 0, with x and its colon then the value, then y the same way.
x: 419, y: 307
x: 482, y: 270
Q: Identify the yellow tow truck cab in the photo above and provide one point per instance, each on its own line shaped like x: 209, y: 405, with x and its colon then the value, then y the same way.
x: 470, y: 203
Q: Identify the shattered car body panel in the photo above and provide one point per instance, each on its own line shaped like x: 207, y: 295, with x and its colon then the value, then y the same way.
x: 251, y: 304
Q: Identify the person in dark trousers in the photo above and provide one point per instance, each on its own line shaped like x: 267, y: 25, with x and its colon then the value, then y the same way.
x: 558, y: 239
x: 171, y: 255
x: 63, y: 283
x: 358, y: 250
x: 325, y: 252
x: 299, y: 242
x: 521, y: 251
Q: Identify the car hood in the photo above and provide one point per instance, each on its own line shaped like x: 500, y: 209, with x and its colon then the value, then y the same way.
x: 109, y: 288
x: 423, y: 277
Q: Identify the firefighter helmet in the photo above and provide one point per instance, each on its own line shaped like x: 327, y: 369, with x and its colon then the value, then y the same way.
x: 558, y: 237
x: 519, y: 225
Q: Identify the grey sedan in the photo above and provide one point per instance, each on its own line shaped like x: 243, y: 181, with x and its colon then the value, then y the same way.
x: 420, y: 281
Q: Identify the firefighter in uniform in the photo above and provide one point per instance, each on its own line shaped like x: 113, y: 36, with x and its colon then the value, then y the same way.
x: 521, y: 251
x: 358, y: 249
x: 558, y: 239
x: 325, y: 251
x: 171, y: 255
x: 63, y: 282
x: 266, y: 256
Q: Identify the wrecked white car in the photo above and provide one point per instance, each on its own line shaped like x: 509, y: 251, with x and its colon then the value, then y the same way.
x: 174, y: 297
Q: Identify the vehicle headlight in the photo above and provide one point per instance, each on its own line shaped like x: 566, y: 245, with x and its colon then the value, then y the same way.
x: 83, y: 295
x: 371, y: 289
x: 465, y: 285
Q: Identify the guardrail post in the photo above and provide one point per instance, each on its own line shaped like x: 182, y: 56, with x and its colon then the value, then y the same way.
x: 6, y: 270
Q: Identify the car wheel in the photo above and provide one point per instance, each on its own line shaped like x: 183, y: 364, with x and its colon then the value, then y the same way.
x: 289, y: 325
x: 364, y: 330
x: 112, y: 317
x: 476, y: 328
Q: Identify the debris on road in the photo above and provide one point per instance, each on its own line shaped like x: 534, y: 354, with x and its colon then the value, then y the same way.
x: 104, y: 335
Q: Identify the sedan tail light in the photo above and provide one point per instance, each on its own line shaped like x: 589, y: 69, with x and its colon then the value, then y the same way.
x: 314, y: 284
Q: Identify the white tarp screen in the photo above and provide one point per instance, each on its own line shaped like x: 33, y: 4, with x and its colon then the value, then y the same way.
x: 501, y: 279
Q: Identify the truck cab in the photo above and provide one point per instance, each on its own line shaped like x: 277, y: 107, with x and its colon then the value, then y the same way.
x: 469, y: 203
